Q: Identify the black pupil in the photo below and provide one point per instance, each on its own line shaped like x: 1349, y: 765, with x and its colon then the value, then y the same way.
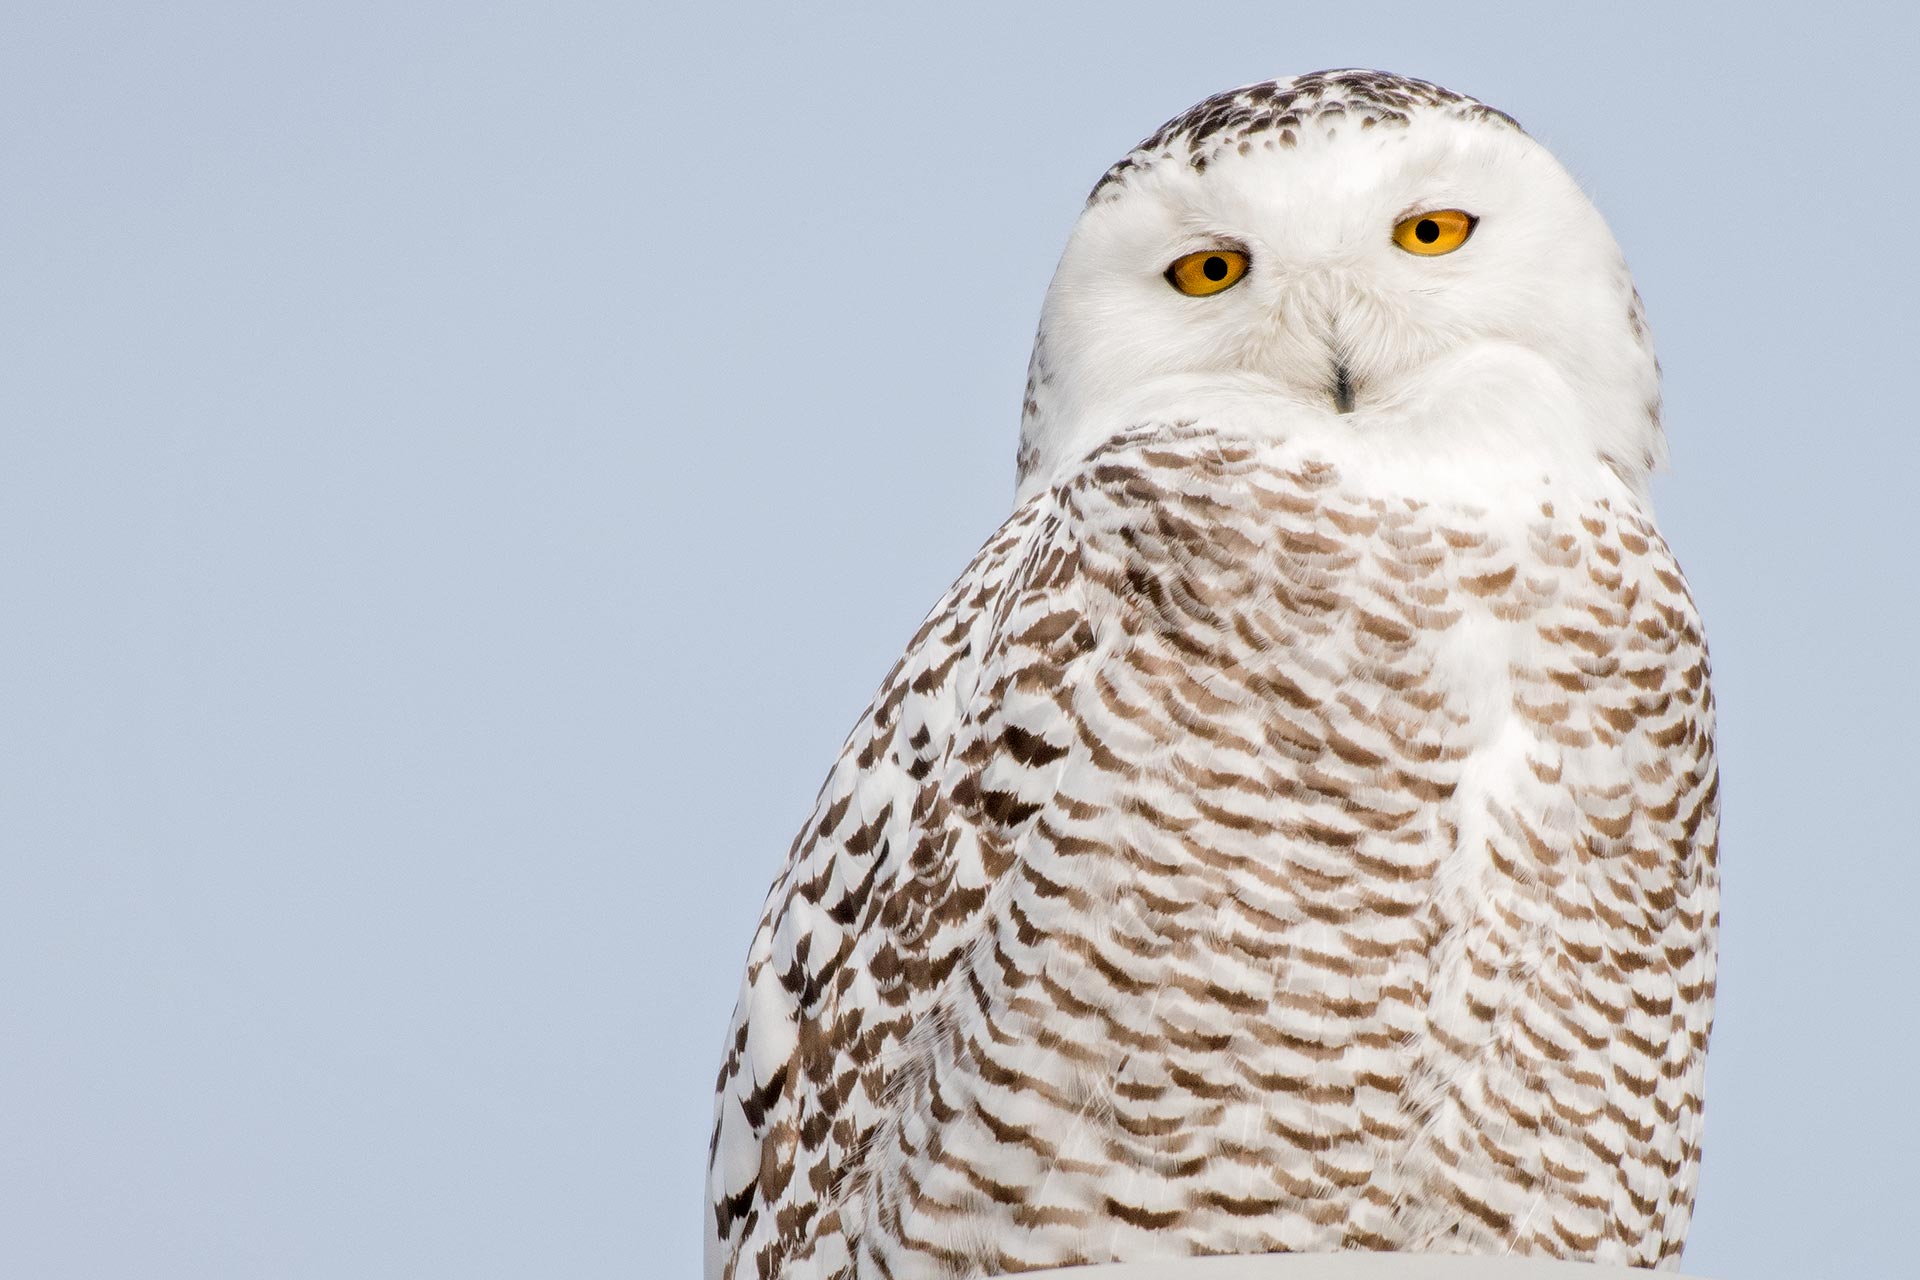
x: 1214, y: 268
x: 1426, y: 231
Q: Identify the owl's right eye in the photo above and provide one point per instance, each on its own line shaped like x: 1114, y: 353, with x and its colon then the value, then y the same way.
x: 1208, y: 271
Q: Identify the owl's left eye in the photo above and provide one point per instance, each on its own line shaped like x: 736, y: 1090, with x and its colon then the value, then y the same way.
x: 1208, y: 271
x: 1431, y: 234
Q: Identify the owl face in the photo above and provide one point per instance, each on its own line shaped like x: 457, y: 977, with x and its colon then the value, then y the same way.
x: 1425, y: 277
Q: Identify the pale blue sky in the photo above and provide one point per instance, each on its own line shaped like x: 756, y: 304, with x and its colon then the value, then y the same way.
x: 463, y: 467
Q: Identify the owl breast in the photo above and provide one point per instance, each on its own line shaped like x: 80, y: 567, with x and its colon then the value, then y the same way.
x: 1358, y: 892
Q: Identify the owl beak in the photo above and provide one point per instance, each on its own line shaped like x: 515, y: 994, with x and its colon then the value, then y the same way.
x: 1342, y: 387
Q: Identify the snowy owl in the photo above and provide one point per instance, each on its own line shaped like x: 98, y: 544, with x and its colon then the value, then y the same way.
x: 1296, y: 829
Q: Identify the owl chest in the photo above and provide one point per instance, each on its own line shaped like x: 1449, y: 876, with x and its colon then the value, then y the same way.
x: 1328, y: 856
x: 1324, y: 823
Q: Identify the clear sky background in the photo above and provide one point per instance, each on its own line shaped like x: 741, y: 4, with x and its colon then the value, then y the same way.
x: 463, y: 467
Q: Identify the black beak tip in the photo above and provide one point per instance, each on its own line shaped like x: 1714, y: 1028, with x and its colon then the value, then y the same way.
x: 1342, y: 389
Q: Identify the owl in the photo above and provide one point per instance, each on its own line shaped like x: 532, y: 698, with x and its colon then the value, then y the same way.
x: 1296, y: 830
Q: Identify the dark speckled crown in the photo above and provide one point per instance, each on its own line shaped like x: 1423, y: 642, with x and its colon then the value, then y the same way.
x: 1283, y: 108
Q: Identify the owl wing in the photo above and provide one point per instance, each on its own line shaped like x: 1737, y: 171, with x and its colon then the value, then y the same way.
x: 884, y: 887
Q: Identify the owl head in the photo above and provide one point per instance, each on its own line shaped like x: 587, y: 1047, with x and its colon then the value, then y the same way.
x: 1357, y: 258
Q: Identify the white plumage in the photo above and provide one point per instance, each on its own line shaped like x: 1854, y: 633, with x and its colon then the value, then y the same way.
x: 1296, y: 830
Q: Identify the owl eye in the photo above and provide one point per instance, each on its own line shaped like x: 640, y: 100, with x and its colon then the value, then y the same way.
x: 1208, y: 271
x: 1431, y: 234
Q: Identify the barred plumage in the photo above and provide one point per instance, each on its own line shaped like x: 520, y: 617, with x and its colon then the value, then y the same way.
x: 1277, y: 839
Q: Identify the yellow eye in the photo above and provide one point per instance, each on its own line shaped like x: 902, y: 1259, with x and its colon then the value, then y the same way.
x: 1208, y: 271
x: 1428, y: 234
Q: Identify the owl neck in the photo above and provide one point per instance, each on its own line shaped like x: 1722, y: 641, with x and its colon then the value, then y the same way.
x: 1495, y: 424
